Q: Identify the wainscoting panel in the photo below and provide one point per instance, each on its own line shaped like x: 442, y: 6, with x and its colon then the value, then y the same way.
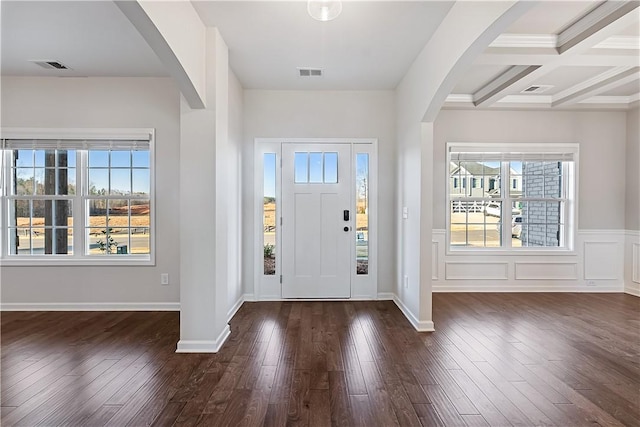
x: 476, y: 270
x: 601, y: 261
x: 596, y: 265
x: 546, y: 271
x: 636, y: 263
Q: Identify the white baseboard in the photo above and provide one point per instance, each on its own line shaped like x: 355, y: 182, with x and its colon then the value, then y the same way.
x: 234, y: 309
x: 420, y: 326
x: 202, y: 346
x: 91, y: 306
x: 249, y: 297
x: 632, y: 291
x: 515, y: 288
x: 386, y: 296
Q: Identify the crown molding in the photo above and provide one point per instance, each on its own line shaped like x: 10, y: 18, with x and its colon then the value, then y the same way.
x: 458, y: 98
x: 602, y: 99
x: 526, y: 99
x: 507, y: 40
x: 620, y: 42
x: 550, y: 41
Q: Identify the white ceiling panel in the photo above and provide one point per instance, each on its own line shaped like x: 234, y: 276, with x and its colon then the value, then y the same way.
x: 633, y: 30
x: 551, y: 17
x: 93, y: 38
x: 369, y: 46
x: 625, y: 90
x: 478, y: 76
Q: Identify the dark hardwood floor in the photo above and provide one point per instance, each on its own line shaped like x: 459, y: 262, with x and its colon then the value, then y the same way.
x: 495, y: 359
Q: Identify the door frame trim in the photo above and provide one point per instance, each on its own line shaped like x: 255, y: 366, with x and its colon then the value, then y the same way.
x: 363, y: 287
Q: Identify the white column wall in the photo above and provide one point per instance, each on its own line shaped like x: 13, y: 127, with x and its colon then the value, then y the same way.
x: 465, y: 32
x: 206, y: 174
x: 632, y: 198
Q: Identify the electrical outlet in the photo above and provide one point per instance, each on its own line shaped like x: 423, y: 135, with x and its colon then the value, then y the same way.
x: 406, y: 281
x: 164, y: 279
x: 591, y: 282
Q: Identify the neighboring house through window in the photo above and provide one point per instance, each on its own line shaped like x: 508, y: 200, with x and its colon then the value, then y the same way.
x: 536, y: 210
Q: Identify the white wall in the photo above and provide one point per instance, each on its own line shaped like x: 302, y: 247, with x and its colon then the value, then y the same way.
x: 103, y: 103
x: 632, y: 246
x: 236, y: 122
x: 597, y: 263
x: 319, y: 114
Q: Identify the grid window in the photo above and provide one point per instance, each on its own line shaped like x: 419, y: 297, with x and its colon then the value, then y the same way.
x: 117, y: 202
x: 40, y: 202
x: 534, y: 209
x: 77, y: 199
x: 316, y: 168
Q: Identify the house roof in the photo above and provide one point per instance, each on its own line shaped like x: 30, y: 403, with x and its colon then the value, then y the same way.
x: 473, y: 168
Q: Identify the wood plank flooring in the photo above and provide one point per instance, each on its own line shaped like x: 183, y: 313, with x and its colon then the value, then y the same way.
x: 495, y: 359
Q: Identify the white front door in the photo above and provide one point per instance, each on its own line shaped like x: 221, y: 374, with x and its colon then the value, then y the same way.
x: 317, y: 220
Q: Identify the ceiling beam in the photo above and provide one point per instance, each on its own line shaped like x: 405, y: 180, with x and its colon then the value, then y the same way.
x: 505, y: 80
x: 180, y: 50
x: 593, y: 22
x: 601, y: 83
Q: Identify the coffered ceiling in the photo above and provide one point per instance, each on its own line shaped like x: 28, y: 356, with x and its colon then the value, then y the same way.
x: 560, y: 55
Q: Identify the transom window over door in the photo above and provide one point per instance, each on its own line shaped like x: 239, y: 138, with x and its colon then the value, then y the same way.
x: 78, y: 199
x: 522, y: 196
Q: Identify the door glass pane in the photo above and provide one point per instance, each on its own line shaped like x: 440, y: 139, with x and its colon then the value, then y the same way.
x: 362, y: 213
x: 315, y: 168
x: 301, y: 168
x: 330, y: 168
x: 269, y: 210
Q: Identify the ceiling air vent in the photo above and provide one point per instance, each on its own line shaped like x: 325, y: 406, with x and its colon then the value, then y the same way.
x: 310, y: 72
x: 537, y: 89
x: 51, y: 65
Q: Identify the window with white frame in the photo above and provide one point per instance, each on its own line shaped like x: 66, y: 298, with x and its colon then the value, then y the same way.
x: 77, y: 199
x: 525, y: 198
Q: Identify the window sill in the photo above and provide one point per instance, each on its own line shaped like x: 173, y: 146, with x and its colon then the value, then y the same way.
x: 76, y: 262
x: 510, y: 252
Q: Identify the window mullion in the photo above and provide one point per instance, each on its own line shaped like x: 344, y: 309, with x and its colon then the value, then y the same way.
x: 79, y: 244
x: 505, y: 191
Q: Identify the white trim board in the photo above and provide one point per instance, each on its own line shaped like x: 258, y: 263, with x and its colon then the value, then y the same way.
x: 234, y: 309
x: 634, y: 292
x: 90, y: 306
x: 475, y: 288
x: 200, y: 346
x: 420, y: 326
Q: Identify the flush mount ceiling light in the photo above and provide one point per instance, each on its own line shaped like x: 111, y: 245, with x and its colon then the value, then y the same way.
x: 324, y: 10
